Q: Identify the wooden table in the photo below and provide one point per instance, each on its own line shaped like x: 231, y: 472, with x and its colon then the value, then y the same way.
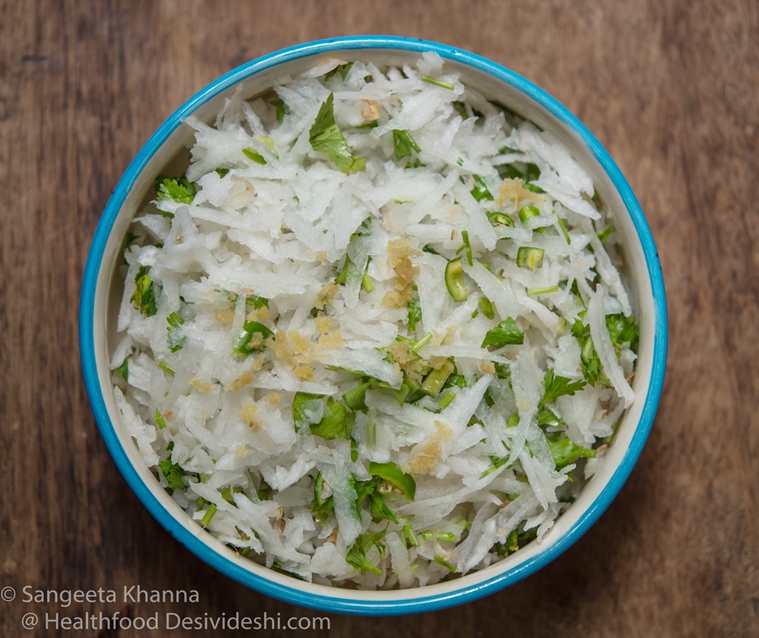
x: 666, y: 86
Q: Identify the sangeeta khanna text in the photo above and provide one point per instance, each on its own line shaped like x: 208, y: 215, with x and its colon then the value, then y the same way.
x: 132, y: 594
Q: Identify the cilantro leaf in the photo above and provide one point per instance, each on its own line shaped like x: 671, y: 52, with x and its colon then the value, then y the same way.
x: 336, y: 423
x: 308, y: 409
x: 557, y: 386
x: 176, y: 336
x: 547, y: 417
x: 590, y: 363
x: 178, y: 189
x: 341, y: 70
x: 505, y: 333
x: 502, y: 371
x: 144, y: 294
x: 622, y: 330
x: 565, y: 451
x: 327, y: 138
x: 355, y: 398
x: 173, y: 474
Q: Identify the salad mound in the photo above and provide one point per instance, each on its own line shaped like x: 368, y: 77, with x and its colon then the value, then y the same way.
x: 375, y: 336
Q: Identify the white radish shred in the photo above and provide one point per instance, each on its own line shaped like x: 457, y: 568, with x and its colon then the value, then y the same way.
x: 268, y: 366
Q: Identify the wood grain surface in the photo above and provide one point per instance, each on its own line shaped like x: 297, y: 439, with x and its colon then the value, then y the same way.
x: 671, y: 88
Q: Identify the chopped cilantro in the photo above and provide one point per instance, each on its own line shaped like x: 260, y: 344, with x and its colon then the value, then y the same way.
x: 557, y: 386
x: 327, y: 138
x: 174, y: 474
x: 176, y: 336
x: 565, y: 451
x: 307, y: 409
x: 590, y: 363
x: 341, y: 70
x: 355, y: 398
x: 335, y: 423
x: 178, y: 189
x: 505, y: 333
x: 547, y: 417
x: 144, y: 294
x: 622, y: 330
x: 502, y: 370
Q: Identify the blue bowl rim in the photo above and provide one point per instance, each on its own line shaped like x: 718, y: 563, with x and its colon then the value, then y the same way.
x: 293, y: 594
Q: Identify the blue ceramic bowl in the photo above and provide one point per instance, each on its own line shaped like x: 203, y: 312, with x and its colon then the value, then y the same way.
x: 101, y: 294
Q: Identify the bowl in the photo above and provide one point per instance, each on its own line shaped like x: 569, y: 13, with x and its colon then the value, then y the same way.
x: 99, y: 307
